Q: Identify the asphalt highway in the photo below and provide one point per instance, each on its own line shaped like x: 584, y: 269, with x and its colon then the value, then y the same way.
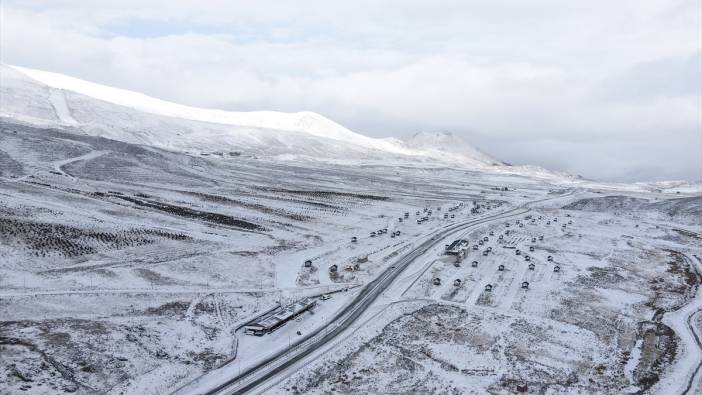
x: 278, y: 362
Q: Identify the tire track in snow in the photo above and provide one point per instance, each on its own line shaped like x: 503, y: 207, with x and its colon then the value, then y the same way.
x: 58, y: 165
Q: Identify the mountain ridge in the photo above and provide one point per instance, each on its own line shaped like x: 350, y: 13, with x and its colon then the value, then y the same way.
x: 62, y: 97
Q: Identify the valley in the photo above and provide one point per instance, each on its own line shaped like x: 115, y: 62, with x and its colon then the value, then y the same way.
x: 138, y: 251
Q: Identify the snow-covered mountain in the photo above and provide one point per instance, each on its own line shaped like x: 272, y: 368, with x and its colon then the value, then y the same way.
x: 447, y: 144
x: 46, y: 98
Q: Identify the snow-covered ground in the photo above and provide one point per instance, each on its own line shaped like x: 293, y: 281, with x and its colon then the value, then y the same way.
x: 134, y: 243
x: 612, y: 320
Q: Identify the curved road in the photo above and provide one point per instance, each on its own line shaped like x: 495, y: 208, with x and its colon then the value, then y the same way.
x: 269, y: 367
x: 256, y: 375
x: 693, y: 329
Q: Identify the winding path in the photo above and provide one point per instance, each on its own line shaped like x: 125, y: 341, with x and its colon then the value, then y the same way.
x: 696, y: 334
x: 684, y: 374
x: 58, y: 165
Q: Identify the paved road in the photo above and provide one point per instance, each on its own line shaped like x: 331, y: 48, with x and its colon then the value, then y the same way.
x: 693, y: 329
x: 264, y: 370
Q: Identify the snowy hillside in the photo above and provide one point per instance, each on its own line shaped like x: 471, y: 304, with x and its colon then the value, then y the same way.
x: 141, y: 241
x: 685, y: 210
x: 446, y: 143
x: 43, y: 97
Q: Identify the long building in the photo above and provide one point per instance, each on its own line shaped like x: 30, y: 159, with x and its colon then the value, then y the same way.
x: 278, y: 317
x: 457, y: 246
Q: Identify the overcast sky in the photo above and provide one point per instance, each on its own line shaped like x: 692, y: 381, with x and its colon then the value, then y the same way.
x: 610, y: 90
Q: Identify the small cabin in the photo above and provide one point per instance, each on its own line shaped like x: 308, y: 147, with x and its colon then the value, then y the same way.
x: 372, y: 234
x: 517, y: 252
x: 488, y: 287
x: 492, y: 233
x: 550, y: 258
x: 556, y: 268
x: 354, y: 239
x: 531, y: 249
x: 474, y: 264
x: 436, y: 281
x: 362, y: 259
x: 392, y: 235
x: 541, y: 238
x: 501, y: 237
x: 399, y: 219
x: 525, y: 285
x: 475, y: 246
x: 445, y: 216
x: 521, y: 225
x: 308, y: 263
x: 453, y: 216
x: 532, y: 266
x: 548, y: 222
x: 480, y: 242
x: 333, y: 269
x: 485, y: 238
x: 457, y: 282
x: 489, y: 249
x: 533, y: 239
x: 397, y: 232
x: 501, y: 268
x: 407, y: 214
x: 527, y: 258
x: 485, y: 253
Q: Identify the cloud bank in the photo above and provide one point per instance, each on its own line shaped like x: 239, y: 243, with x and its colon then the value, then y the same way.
x: 608, y: 90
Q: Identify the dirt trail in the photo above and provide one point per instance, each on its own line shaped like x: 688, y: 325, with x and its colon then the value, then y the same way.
x: 58, y: 165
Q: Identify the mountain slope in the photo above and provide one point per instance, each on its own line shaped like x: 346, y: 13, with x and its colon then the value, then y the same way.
x: 136, y: 118
x: 684, y: 210
x: 446, y: 143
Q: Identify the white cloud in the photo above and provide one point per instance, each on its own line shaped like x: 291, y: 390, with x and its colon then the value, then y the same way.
x: 568, y: 85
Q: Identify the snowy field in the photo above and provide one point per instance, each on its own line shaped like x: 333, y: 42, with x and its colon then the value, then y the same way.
x: 598, y: 325
x: 127, y: 269
x: 131, y: 257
